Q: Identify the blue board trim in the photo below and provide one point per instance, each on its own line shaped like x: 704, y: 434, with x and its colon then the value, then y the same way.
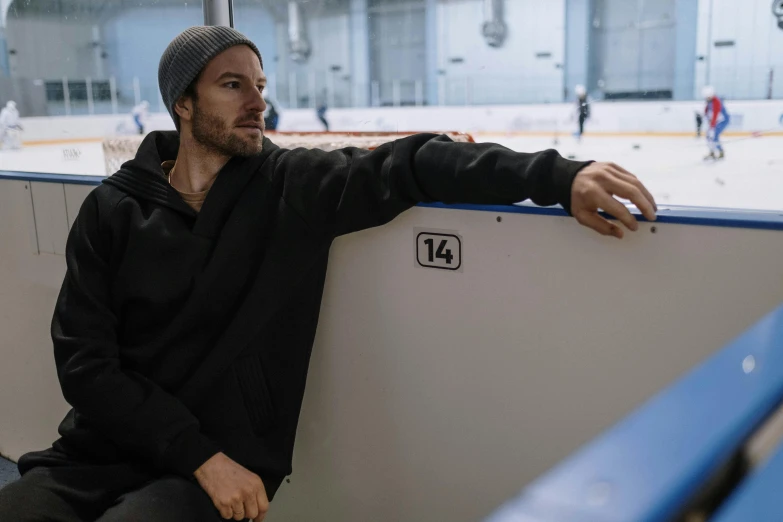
x: 70, y: 179
x: 680, y: 215
x: 758, y: 499
x: 649, y: 465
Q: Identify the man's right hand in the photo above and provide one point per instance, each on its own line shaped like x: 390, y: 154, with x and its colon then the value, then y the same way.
x: 237, y: 493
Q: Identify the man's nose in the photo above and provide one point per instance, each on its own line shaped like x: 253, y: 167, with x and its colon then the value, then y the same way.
x: 256, y: 101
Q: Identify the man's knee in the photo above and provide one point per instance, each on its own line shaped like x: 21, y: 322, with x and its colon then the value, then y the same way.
x: 166, y: 499
x: 30, y: 500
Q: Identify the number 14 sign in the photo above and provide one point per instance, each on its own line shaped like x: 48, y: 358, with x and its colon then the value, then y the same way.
x: 440, y: 249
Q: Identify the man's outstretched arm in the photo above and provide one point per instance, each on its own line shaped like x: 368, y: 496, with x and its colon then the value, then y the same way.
x: 352, y: 189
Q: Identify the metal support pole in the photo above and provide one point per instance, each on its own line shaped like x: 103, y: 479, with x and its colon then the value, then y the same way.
x: 113, y: 88
x: 330, y: 85
x: 66, y: 96
x: 771, y: 85
x: 271, y: 86
x: 293, y: 102
x: 311, y: 90
x: 90, y: 104
x: 376, y: 94
x: 219, y: 12
x: 419, y: 93
x: 396, y: 93
x: 136, y: 90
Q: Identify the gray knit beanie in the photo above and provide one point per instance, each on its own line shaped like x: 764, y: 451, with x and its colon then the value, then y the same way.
x: 189, y: 53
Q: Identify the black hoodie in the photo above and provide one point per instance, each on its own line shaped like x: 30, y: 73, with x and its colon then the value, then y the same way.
x: 180, y: 334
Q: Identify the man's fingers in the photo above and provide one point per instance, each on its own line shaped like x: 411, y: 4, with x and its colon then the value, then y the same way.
x: 633, y: 180
x: 226, y: 512
x: 263, y: 505
x: 621, y: 169
x: 630, y: 178
x: 599, y: 224
x: 251, y: 508
x: 626, y: 190
x: 238, y: 511
x: 613, y: 207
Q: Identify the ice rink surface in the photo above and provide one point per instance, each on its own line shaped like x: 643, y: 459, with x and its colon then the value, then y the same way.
x: 750, y: 177
x: 673, y: 168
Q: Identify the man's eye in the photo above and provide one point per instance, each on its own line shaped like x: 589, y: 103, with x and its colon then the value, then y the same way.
x: 233, y: 85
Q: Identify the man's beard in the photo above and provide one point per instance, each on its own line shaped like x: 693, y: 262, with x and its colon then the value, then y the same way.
x: 211, y: 131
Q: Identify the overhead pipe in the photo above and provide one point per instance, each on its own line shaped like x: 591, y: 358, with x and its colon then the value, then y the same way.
x: 298, y: 43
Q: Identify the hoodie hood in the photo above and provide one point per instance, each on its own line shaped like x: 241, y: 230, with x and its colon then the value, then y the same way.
x: 143, y: 176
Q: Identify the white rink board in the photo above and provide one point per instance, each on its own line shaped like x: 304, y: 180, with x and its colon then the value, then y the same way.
x: 437, y: 395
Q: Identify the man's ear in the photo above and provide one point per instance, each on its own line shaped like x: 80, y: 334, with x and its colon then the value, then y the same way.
x: 184, y: 108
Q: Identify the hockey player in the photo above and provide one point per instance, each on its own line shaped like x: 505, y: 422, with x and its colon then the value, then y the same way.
x: 320, y: 111
x: 717, y: 119
x: 583, y: 108
x: 10, y: 128
x: 271, y: 115
x: 140, y: 114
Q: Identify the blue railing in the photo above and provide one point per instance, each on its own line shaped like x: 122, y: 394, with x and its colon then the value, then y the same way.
x: 653, y: 465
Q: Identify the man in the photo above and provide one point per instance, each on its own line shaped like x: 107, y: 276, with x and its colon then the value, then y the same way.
x: 10, y: 128
x: 718, y: 119
x: 183, y: 330
x: 140, y: 114
x: 582, y: 108
x: 320, y: 111
x: 271, y: 115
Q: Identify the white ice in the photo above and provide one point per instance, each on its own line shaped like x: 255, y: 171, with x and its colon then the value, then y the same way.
x: 750, y: 177
x: 673, y: 168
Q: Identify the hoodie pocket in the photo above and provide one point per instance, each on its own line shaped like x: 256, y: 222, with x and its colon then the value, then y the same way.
x: 255, y: 392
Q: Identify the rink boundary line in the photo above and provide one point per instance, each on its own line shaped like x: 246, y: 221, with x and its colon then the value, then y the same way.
x: 610, y: 134
x: 595, y: 134
x: 36, y: 143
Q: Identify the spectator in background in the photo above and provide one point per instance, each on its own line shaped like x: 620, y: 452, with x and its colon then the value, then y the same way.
x: 271, y: 116
x: 321, y: 112
x: 140, y: 114
x: 10, y: 129
x: 582, y: 107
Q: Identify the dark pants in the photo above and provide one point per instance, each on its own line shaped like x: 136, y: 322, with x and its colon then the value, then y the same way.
x: 139, y: 125
x: 103, y: 493
x: 323, y: 120
x: 582, y: 118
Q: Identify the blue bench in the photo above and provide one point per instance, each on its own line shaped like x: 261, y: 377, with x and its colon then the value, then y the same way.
x: 8, y: 472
